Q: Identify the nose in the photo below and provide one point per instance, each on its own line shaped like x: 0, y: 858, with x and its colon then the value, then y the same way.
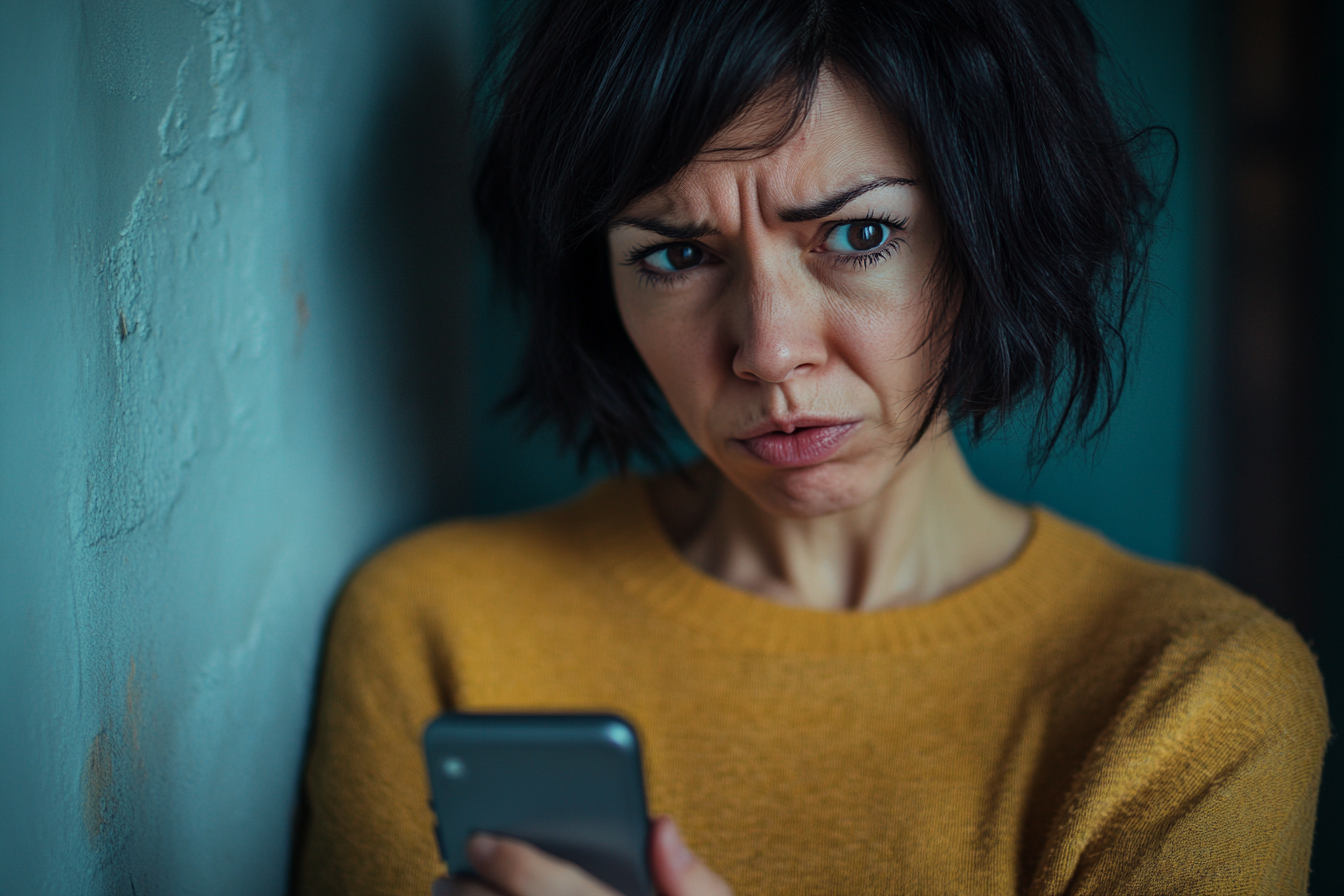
x: 779, y: 328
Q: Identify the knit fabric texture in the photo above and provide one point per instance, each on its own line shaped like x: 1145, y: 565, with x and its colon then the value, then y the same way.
x: 1081, y: 721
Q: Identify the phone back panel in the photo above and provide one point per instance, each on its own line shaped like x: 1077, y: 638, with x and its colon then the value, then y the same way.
x: 569, y: 784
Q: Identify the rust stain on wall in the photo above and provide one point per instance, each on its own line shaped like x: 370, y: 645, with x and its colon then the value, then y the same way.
x: 100, y: 796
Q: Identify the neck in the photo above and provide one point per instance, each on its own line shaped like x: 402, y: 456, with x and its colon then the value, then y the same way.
x: 931, y: 530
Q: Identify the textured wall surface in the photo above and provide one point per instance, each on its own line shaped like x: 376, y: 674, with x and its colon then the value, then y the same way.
x: 210, y: 409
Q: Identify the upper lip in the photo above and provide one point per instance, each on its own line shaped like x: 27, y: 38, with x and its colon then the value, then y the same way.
x: 790, y: 424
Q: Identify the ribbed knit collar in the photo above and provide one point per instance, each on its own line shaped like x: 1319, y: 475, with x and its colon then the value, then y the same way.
x: 1051, y: 569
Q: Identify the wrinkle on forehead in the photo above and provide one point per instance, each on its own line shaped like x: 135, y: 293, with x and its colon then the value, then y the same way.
x: 845, y: 136
x: 767, y: 122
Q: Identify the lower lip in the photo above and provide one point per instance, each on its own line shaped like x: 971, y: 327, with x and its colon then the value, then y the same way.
x: 800, y: 448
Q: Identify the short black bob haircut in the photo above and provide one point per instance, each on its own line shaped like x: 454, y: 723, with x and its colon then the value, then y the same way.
x: 1047, y: 209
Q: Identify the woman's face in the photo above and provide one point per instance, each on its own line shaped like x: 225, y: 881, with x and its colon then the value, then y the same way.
x: 782, y: 302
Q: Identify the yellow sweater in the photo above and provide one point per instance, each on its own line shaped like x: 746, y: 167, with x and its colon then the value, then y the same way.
x: 1081, y: 721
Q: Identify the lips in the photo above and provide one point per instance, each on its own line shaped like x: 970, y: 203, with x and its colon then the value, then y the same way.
x: 803, y: 447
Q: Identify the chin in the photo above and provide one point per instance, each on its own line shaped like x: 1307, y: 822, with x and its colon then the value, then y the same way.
x: 805, y: 492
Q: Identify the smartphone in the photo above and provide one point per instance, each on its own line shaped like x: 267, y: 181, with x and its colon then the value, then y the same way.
x: 569, y: 784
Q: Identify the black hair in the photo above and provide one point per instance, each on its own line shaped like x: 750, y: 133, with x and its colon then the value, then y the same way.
x: 1047, y: 210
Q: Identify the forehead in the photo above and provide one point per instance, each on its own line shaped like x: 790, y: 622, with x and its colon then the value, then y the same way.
x: 845, y: 138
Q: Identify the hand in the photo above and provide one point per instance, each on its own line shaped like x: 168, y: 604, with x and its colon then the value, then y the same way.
x: 514, y: 868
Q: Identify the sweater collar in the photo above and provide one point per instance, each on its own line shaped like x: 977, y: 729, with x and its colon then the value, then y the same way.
x: 1051, y: 569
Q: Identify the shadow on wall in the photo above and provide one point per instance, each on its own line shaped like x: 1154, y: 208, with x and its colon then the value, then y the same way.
x: 406, y: 220
x: 411, y: 214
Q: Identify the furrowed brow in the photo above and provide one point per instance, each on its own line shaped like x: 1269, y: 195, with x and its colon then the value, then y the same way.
x: 666, y: 228
x: 833, y: 204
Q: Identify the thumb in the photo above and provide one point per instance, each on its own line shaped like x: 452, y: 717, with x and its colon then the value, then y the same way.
x: 676, y: 870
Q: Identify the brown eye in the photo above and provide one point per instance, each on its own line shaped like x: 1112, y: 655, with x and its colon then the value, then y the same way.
x: 861, y: 236
x: 676, y: 257
x: 868, y: 236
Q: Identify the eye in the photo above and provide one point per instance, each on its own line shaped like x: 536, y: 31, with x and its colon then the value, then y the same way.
x: 858, y: 237
x: 675, y: 257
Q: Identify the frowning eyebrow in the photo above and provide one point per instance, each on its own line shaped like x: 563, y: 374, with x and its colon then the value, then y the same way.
x: 667, y: 229
x: 820, y: 209
x: 833, y: 204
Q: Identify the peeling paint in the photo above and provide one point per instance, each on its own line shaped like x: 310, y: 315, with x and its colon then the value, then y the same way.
x: 173, y: 136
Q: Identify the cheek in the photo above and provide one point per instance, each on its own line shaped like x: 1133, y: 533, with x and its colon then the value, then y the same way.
x: 677, y: 345
x: 883, y: 334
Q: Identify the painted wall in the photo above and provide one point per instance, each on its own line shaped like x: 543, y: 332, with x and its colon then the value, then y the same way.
x: 210, y: 407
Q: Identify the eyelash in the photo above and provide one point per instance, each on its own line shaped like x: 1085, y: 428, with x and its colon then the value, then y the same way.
x: 868, y: 259
x: 653, y: 278
x: 658, y: 278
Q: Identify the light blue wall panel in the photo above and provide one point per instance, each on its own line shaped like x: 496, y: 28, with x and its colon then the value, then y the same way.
x: 204, y: 423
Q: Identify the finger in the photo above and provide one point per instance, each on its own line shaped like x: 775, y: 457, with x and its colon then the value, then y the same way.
x: 520, y: 869
x: 676, y: 870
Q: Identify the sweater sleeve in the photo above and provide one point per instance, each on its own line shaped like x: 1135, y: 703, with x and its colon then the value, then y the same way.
x: 1207, y: 781
x: 368, y: 828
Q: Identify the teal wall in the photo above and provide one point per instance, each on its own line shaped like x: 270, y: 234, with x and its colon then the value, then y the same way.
x: 204, y: 418
x: 1133, y: 485
x: 239, y: 349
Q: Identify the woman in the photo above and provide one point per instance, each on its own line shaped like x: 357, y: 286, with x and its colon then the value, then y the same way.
x: 824, y: 232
